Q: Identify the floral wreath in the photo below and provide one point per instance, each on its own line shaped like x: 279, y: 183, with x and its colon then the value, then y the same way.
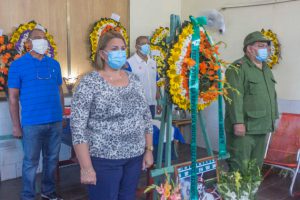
x: 7, y: 55
x: 102, y: 26
x: 180, y: 62
x: 159, y: 55
x: 275, y: 47
x: 20, y: 36
x: 159, y: 49
x: 159, y: 36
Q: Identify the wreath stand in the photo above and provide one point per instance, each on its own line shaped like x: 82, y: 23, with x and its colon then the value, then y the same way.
x: 167, y: 105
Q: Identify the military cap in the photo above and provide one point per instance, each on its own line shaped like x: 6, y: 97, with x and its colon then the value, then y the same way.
x: 255, y: 37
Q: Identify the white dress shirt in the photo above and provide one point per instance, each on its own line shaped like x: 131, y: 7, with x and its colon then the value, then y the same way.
x: 146, y: 71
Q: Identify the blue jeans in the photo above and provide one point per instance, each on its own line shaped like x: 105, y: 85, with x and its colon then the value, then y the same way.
x: 116, y: 179
x: 37, y: 138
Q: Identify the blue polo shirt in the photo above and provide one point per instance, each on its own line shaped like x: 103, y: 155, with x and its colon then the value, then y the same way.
x: 38, y: 82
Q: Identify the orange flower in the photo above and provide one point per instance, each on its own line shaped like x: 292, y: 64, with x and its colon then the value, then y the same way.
x: 167, y: 190
x: 118, y: 29
x: 203, y: 67
x: 216, y: 50
x: 211, y: 72
x: 17, y: 56
x: 202, y: 47
x: 7, y: 55
x: 1, y: 39
x: 2, y: 81
x: 4, y: 70
x: 3, y: 48
x: 190, y: 62
x: 106, y: 29
x: 9, y: 46
x: 207, y: 53
x: 216, y: 67
x: 211, y: 78
x: 4, y: 60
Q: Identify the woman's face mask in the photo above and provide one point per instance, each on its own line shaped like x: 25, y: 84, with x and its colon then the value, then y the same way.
x: 116, y: 59
x: 40, y: 46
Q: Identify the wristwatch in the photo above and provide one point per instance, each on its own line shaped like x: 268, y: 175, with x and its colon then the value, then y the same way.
x: 149, y: 148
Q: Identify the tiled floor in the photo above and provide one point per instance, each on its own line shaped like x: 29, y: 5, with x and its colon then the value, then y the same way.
x: 273, y: 187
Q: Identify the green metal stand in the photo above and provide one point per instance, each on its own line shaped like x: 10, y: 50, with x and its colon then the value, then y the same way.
x: 166, y: 118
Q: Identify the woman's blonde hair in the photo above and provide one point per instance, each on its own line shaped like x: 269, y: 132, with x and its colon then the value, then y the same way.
x: 102, y: 43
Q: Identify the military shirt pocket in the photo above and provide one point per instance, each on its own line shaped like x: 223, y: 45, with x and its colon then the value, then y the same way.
x: 256, y: 113
x: 254, y: 121
x: 254, y: 86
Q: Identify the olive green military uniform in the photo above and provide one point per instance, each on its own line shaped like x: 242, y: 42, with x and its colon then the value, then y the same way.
x: 255, y: 106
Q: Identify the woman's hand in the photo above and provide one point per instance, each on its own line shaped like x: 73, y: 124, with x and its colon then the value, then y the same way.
x: 148, y: 160
x: 88, y: 176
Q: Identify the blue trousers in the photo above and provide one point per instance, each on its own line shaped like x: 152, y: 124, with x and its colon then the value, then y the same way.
x: 116, y: 179
x: 37, y: 138
x: 152, y: 110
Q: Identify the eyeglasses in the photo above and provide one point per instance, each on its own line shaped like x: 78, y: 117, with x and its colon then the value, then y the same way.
x: 43, y: 73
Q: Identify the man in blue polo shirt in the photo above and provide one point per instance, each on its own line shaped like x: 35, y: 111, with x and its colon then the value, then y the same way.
x: 35, y: 80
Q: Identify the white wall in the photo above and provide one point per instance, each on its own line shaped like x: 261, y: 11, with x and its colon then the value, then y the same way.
x: 147, y: 15
x: 282, y: 18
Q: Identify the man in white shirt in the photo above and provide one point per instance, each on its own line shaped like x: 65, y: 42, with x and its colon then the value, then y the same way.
x: 145, y: 68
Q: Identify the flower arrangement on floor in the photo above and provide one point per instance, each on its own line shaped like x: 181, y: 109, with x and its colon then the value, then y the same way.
x: 235, y: 186
x: 20, y: 36
x: 102, y: 26
x: 7, y: 55
x: 166, y: 191
x: 180, y: 62
x: 275, y: 47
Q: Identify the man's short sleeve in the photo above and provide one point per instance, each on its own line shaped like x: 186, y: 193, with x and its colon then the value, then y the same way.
x: 14, y: 77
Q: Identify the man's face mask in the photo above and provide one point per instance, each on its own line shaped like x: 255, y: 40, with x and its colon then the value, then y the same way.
x: 40, y: 46
x: 145, y: 49
x: 262, y: 55
x: 116, y: 59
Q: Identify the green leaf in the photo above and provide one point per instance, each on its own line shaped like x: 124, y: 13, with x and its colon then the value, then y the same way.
x: 149, y: 188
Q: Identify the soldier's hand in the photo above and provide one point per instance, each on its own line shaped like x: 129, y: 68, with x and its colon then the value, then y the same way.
x: 239, y: 129
x: 17, y: 132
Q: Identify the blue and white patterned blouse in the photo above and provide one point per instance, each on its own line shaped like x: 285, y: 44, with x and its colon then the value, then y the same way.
x: 112, y: 120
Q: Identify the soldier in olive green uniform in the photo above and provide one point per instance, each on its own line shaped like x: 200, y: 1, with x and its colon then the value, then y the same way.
x: 252, y: 112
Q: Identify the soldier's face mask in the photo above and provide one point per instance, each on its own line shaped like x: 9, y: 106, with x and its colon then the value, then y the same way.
x: 262, y: 54
x: 260, y: 51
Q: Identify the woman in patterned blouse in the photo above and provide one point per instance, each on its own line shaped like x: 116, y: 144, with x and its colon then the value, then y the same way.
x: 111, y: 125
